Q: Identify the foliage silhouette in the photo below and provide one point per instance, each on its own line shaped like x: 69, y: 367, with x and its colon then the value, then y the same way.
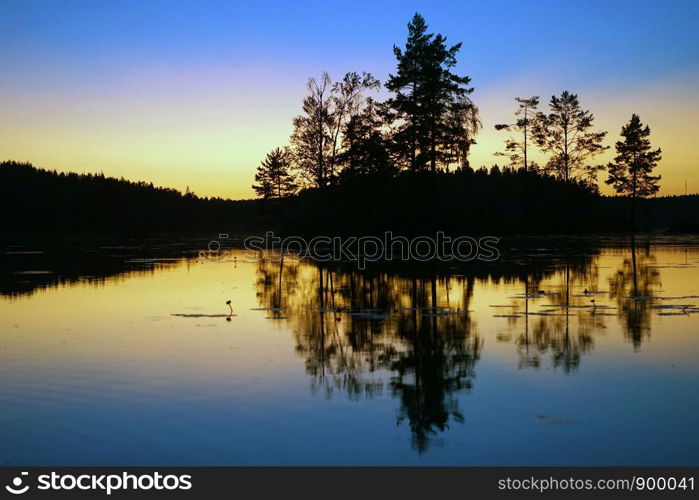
x: 48, y: 201
x: 273, y: 178
x: 630, y: 172
x: 565, y: 133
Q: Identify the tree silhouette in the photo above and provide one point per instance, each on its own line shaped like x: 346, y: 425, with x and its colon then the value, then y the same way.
x: 566, y: 133
x: 347, y: 102
x: 365, y: 149
x: 517, y: 149
x: 316, y: 138
x: 630, y: 172
x: 310, y: 138
x: 273, y: 178
x: 427, y: 94
x: 461, y: 124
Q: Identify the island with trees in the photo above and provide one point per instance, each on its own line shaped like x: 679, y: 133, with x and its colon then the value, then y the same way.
x: 356, y: 164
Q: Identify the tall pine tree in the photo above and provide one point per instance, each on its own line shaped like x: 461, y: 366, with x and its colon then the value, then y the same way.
x: 427, y: 97
x: 566, y: 132
x: 273, y: 178
x: 518, y: 149
x: 630, y: 172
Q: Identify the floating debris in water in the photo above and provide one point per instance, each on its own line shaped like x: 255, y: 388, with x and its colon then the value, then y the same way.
x: 522, y: 296
x: 183, y: 315
x: 548, y: 314
x: 369, y: 315
x: 445, y: 313
x: 581, y: 306
x: 671, y: 266
x: 152, y: 261
x: 674, y: 306
x: 421, y: 308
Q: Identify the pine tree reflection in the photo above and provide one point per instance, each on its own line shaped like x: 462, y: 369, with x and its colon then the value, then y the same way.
x: 365, y: 333
x: 563, y: 329
x: 436, y: 363
x: 408, y: 332
x: 634, y: 288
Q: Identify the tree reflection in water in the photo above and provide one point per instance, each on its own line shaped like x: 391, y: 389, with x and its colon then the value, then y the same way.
x: 365, y: 333
x: 549, y: 321
x: 408, y: 332
x: 634, y: 287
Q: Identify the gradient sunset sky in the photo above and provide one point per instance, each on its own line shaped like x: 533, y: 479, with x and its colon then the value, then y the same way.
x: 195, y: 93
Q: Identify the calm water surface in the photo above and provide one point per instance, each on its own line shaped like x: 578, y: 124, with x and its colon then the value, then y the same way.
x: 587, y: 355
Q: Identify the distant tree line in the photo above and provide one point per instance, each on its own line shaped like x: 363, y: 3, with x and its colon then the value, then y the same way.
x: 37, y: 200
x: 428, y: 125
x: 485, y: 200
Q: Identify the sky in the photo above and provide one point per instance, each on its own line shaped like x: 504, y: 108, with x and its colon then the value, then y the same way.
x: 193, y: 94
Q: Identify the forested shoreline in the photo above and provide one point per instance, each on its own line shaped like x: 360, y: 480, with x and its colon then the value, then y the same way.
x: 360, y: 166
x: 35, y: 200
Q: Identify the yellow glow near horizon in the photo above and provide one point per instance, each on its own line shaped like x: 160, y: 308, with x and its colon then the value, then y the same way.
x: 211, y: 139
x: 670, y: 109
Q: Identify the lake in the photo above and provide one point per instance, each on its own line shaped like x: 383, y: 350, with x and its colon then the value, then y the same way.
x: 583, y: 353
